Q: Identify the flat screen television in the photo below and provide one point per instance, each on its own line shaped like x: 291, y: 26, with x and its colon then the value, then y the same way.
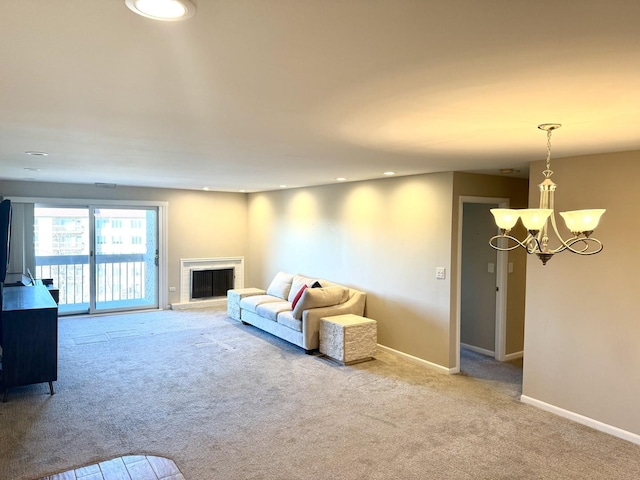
x: 5, y: 237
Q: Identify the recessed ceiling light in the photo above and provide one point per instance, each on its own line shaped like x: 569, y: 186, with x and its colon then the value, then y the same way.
x: 389, y: 173
x: 37, y: 154
x: 166, y: 10
x: 282, y: 186
x: 508, y: 171
x: 242, y: 191
x: 32, y: 169
x: 341, y: 179
x: 206, y: 189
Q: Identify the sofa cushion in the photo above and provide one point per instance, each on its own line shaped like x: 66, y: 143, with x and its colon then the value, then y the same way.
x: 320, y: 297
x: 286, y: 319
x: 297, y: 283
x: 251, y: 303
x: 270, y: 310
x: 280, y: 286
x: 298, y: 295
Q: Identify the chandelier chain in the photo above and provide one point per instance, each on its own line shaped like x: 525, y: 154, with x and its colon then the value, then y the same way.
x: 548, y: 172
x: 549, y: 150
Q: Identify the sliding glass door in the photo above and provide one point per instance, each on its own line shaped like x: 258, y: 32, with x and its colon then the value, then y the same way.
x: 101, y: 259
x: 126, y: 258
x: 62, y: 248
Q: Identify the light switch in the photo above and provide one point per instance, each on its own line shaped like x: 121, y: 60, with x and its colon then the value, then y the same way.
x: 510, y: 267
x: 492, y: 268
x: 441, y: 273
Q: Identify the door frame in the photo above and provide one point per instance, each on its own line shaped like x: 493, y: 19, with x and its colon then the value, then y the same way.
x: 162, y: 207
x: 501, y: 283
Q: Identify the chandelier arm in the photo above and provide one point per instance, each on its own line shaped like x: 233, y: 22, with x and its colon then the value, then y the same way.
x: 563, y: 244
x: 568, y: 244
x: 533, y: 243
x: 522, y: 244
x: 586, y: 241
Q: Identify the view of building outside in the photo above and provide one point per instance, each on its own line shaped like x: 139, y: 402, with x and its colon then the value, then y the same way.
x: 62, y: 247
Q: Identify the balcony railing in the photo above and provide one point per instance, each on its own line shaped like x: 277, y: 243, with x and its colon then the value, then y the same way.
x: 118, y: 277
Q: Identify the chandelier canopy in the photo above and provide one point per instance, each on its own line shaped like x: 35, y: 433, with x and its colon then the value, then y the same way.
x: 581, y: 223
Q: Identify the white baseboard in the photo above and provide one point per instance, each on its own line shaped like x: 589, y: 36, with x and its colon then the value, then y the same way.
x: 482, y: 351
x: 419, y: 361
x: 513, y: 356
x: 589, y: 422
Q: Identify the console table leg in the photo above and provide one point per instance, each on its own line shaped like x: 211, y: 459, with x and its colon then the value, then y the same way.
x: 5, y: 397
x: 51, y: 388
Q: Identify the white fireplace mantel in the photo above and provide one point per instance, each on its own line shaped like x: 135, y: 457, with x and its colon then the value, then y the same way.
x: 189, y: 264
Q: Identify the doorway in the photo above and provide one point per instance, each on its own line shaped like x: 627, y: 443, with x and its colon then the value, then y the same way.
x: 482, y: 281
x: 479, y: 280
x: 102, y: 259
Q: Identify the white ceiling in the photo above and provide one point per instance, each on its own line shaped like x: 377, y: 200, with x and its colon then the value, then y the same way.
x: 251, y: 94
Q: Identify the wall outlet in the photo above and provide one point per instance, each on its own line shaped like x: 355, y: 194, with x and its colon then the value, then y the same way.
x: 441, y: 273
x: 172, y: 289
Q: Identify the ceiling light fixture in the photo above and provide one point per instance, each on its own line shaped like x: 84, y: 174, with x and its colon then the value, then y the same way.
x: 36, y: 154
x: 389, y: 173
x: 581, y: 223
x: 165, y: 10
x: 341, y: 179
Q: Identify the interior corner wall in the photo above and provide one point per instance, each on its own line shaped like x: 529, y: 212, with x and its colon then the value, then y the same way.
x: 517, y: 191
x: 385, y: 237
x: 200, y: 224
x: 582, y: 328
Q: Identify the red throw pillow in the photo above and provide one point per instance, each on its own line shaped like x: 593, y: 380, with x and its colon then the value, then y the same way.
x: 298, y: 295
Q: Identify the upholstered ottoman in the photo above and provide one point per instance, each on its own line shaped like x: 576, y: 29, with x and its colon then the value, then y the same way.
x: 234, y: 297
x: 348, y: 338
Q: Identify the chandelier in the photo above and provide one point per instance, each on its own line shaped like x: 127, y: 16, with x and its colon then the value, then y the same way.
x: 581, y: 223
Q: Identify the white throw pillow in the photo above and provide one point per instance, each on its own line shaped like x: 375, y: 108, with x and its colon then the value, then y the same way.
x: 297, y: 283
x: 280, y: 285
x: 320, y: 297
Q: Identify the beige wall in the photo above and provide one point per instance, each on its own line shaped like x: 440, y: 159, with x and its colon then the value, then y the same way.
x: 200, y: 224
x: 582, y: 324
x: 385, y: 237
x: 516, y: 190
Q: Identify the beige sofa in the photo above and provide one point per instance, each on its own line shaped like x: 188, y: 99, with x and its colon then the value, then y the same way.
x: 292, y: 306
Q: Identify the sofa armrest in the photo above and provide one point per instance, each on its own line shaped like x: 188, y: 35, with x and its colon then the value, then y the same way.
x: 311, y: 317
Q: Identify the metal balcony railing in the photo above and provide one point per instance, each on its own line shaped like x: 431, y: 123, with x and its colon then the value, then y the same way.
x: 118, y: 277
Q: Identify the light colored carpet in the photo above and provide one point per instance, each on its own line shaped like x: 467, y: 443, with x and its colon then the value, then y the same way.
x: 227, y: 401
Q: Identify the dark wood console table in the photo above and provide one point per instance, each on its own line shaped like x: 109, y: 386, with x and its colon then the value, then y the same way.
x: 29, y: 335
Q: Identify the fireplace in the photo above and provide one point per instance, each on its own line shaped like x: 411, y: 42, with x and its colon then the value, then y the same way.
x: 208, y: 296
x: 211, y: 283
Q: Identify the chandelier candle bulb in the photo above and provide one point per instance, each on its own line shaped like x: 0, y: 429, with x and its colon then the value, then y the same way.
x: 582, y: 221
x: 505, y: 218
x: 534, y: 219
